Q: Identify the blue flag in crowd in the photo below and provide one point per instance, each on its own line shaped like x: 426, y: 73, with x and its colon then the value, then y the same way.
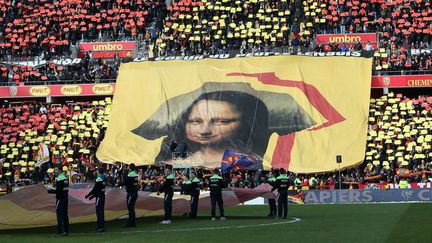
x: 233, y: 160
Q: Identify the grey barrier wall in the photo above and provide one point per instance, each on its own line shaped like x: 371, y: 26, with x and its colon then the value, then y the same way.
x: 366, y: 196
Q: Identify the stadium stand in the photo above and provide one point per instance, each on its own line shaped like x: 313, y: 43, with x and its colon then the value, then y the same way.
x: 50, y: 28
x: 44, y: 30
x: 399, y: 144
x: 71, y: 133
x: 85, y: 71
x: 207, y: 27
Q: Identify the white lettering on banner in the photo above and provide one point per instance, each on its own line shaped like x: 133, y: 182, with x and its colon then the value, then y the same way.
x: 324, y: 195
x: 366, y: 196
x: 421, y: 185
x: 62, y: 62
x: 422, y: 197
x: 220, y: 56
x: 311, y: 197
x: 396, y: 186
x: 372, y: 186
x: 345, y: 38
x: 407, y: 194
x: 225, y: 56
x: 343, y: 197
x: 416, y: 52
x: 354, y: 196
x: 332, y: 53
x: 66, y: 62
x: 336, y: 196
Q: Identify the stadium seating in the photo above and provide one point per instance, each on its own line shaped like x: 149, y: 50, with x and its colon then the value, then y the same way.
x: 399, y: 140
x: 214, y: 26
x: 52, y: 29
x: 42, y: 27
x: 71, y: 131
x: 86, y: 71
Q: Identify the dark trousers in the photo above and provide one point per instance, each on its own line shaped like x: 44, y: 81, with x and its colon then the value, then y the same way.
x: 131, y: 199
x: 194, y: 205
x: 216, y: 197
x: 283, y: 203
x: 62, y: 215
x: 100, y: 207
x: 168, y: 205
x: 273, y: 209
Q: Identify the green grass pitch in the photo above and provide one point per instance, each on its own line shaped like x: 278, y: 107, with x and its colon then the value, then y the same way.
x: 318, y: 223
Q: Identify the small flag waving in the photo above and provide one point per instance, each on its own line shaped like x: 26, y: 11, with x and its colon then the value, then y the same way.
x: 233, y: 160
x: 43, y: 154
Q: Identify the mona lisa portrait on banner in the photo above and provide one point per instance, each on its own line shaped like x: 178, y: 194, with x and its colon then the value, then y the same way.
x: 220, y: 116
x: 265, y: 108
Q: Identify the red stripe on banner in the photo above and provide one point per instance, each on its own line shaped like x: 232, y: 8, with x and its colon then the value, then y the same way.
x: 316, y: 99
x: 280, y: 155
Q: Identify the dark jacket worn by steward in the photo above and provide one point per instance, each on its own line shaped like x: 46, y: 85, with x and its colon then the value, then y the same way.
x: 192, y: 187
x: 168, y: 185
x: 61, y: 188
x: 195, y: 187
x: 98, y: 188
x: 216, y: 183
x: 281, y: 183
x: 132, y: 182
x: 272, y: 181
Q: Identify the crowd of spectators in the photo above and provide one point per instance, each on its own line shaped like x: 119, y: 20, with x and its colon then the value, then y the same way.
x: 52, y: 28
x: 71, y: 132
x: 399, y: 142
x: 399, y: 146
x: 85, y: 70
x: 47, y: 30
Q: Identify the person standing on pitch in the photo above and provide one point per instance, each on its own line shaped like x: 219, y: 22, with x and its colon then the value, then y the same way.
x: 61, y: 190
x: 98, y: 192
x: 168, y: 188
x: 132, y: 194
x: 216, y: 184
x: 194, y: 191
x: 272, y: 201
x: 281, y: 184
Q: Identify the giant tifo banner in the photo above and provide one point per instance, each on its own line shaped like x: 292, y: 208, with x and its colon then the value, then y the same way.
x: 292, y: 112
x: 405, y: 81
x: 56, y: 90
x: 109, y: 49
x: 32, y: 206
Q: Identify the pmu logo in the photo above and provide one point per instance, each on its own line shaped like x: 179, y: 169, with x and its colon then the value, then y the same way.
x: 407, y: 194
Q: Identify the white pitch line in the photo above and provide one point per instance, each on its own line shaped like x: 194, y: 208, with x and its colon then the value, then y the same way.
x: 293, y: 220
